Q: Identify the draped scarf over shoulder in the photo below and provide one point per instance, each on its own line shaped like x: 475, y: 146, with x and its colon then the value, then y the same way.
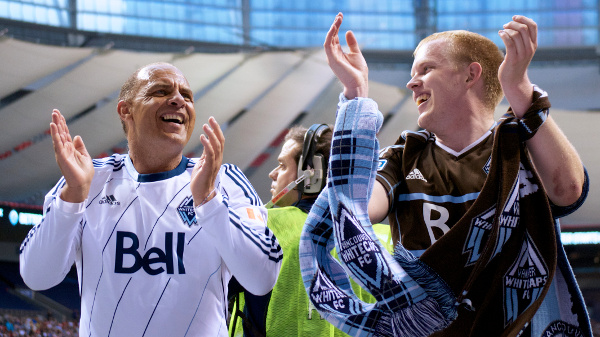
x: 485, y: 277
x: 500, y: 257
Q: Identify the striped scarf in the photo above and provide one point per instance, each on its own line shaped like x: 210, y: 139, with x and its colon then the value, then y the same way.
x: 499, y: 259
x: 411, y: 299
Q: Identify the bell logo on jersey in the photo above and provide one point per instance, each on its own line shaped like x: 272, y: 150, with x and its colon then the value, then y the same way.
x: 153, y: 258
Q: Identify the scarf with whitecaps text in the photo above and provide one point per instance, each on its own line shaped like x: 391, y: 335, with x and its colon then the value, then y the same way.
x: 486, y: 277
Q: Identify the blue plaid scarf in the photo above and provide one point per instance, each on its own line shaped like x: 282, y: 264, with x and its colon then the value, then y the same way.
x: 510, y: 227
x: 412, y: 300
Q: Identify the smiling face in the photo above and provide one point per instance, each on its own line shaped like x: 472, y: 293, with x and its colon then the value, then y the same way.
x: 438, y: 86
x: 159, y: 114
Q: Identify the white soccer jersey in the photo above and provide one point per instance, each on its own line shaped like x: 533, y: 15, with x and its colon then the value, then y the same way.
x: 148, y: 263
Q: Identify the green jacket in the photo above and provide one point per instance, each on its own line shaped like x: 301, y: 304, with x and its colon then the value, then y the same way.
x: 289, y: 311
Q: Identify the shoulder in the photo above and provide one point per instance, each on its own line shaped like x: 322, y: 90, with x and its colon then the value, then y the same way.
x: 234, y: 183
x: 107, y: 167
x: 422, y: 136
x: 407, y: 138
x: 279, y: 213
x: 286, y: 223
x: 113, y: 163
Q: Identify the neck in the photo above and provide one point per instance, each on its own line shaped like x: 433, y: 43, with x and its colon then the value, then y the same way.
x: 469, y: 127
x: 148, y: 161
x: 460, y: 142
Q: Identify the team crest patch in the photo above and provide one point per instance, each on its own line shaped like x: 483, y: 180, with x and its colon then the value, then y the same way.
x: 509, y: 218
x: 481, y: 226
x: 488, y: 164
x: 186, y: 211
x: 524, y: 281
x: 358, y: 251
x: 327, y: 297
x: 561, y: 329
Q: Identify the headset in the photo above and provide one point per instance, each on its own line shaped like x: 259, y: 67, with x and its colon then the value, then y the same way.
x: 311, y: 164
x: 312, y: 167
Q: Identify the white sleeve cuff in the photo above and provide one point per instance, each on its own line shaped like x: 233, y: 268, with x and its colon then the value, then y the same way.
x: 209, y: 207
x: 69, y: 207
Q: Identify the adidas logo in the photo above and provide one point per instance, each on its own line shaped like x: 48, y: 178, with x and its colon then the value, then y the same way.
x: 416, y: 174
x: 109, y: 199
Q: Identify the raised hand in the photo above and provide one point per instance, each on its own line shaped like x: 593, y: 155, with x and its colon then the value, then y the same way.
x: 350, y: 68
x: 73, y: 160
x: 520, y: 38
x: 206, y: 169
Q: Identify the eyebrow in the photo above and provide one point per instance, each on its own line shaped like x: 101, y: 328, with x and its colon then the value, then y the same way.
x: 159, y: 85
x: 420, y: 65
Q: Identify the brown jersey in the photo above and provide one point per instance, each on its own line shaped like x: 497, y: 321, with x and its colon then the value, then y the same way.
x: 429, y: 186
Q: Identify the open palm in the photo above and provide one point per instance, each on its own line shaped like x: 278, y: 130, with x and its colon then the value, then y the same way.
x: 206, y: 169
x: 73, y: 160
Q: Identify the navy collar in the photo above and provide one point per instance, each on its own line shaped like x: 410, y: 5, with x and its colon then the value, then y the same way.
x: 150, y: 177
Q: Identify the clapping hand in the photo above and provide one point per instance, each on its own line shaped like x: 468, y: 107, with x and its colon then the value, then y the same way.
x: 206, y: 169
x: 520, y: 38
x: 73, y: 160
x: 350, y: 68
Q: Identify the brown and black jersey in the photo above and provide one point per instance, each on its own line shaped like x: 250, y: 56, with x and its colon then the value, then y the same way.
x: 430, y: 187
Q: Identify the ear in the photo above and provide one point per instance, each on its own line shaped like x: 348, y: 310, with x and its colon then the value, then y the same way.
x: 123, y: 110
x: 474, y: 71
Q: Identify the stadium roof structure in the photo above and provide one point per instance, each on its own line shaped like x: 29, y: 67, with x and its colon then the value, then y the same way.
x: 254, y: 94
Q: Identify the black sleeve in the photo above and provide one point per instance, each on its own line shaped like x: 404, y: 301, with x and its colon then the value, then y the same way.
x: 562, y: 211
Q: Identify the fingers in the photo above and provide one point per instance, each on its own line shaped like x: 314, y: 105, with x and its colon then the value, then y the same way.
x: 217, y: 130
x: 333, y: 30
x: 530, y: 24
x: 80, y: 146
x: 208, y: 166
x: 63, y: 130
x: 352, y: 43
x: 332, y: 42
x: 58, y: 130
x: 213, y: 140
x: 520, y: 36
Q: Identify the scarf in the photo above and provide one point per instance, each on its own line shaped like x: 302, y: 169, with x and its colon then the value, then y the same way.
x: 412, y: 300
x: 500, y: 257
x: 486, y: 277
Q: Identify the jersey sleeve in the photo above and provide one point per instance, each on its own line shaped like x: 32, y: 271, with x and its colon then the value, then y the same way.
x: 389, y: 170
x: 237, y: 221
x: 562, y: 211
x: 49, y: 250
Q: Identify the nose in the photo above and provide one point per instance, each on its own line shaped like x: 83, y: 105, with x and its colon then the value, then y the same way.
x: 413, y: 83
x: 176, y: 99
x: 273, y: 174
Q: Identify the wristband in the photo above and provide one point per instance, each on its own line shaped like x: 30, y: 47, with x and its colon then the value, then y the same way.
x: 535, y: 116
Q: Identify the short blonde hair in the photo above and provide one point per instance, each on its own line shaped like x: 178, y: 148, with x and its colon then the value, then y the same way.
x: 467, y: 47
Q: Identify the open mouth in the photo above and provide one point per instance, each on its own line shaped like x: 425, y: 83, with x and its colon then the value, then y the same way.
x: 422, y: 99
x: 172, y: 118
